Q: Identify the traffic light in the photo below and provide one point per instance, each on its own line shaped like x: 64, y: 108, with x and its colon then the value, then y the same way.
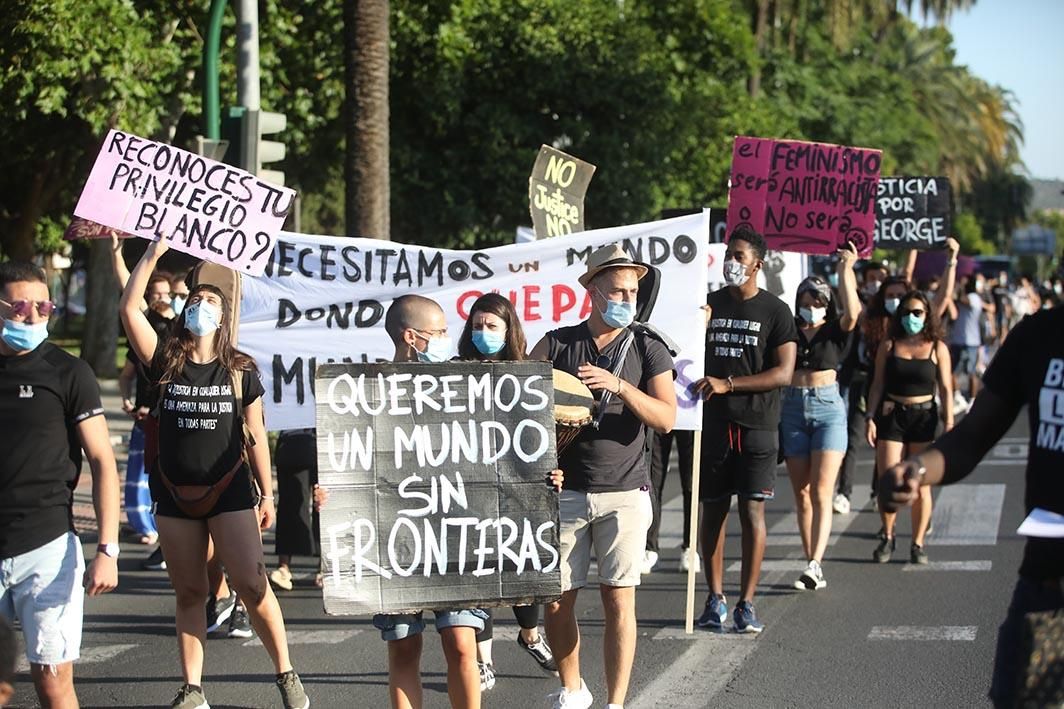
x: 244, y: 130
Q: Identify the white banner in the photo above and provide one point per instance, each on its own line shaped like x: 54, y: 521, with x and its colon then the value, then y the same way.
x: 322, y: 299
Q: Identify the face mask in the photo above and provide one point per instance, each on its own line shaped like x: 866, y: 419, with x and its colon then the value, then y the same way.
x: 437, y: 350
x: 735, y: 273
x: 812, y: 315
x: 891, y: 304
x: 833, y: 280
x: 23, y: 337
x: 488, y: 342
x: 178, y: 304
x: 618, y: 314
x: 912, y: 324
x: 202, y: 318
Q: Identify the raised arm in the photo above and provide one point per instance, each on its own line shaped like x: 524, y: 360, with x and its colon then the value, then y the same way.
x: 117, y: 262
x: 910, y: 266
x: 142, y: 336
x: 944, y: 295
x: 849, y: 301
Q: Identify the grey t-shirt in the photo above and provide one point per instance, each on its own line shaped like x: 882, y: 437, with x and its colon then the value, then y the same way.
x: 612, y: 458
x: 966, y: 330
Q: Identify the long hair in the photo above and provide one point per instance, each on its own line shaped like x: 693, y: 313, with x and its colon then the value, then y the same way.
x: 932, y: 331
x: 514, y: 350
x: 177, y: 348
x: 875, y: 325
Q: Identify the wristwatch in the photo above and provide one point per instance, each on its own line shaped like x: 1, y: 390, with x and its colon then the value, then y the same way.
x: 112, y: 550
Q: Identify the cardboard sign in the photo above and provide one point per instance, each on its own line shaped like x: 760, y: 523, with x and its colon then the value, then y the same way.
x: 806, y: 197
x: 556, y: 192
x: 84, y: 229
x: 912, y: 213
x: 437, y: 486
x: 204, y: 208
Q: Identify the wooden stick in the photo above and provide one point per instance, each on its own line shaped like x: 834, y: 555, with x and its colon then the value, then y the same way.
x: 692, y: 538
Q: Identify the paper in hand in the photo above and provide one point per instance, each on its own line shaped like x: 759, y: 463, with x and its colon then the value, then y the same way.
x: 1042, y: 523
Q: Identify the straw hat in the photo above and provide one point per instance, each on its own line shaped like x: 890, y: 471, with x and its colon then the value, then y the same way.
x: 609, y: 256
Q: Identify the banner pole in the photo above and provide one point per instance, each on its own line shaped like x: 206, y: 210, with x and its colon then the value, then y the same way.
x: 692, y: 538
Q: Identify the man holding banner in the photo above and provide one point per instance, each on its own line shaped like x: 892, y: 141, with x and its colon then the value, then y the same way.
x: 605, y: 503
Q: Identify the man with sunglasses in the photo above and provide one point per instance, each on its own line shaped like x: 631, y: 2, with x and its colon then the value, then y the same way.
x: 50, y: 405
x: 605, y: 503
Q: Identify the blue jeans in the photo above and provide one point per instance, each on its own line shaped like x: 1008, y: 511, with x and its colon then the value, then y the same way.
x: 138, y: 496
x: 1029, y: 597
x: 397, y: 626
x: 812, y: 419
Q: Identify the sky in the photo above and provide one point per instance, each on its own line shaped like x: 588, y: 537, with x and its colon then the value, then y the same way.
x: 1019, y: 44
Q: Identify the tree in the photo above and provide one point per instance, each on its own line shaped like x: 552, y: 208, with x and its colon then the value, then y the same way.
x: 366, y: 111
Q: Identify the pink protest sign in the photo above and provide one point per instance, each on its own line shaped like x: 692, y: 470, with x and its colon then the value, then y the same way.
x: 805, y: 197
x: 205, y: 208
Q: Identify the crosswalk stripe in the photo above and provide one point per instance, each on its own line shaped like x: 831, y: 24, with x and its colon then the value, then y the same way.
x: 967, y: 515
x: 983, y: 565
x: 769, y: 565
x: 313, y: 637
x: 89, y: 655
x: 923, y: 632
x: 785, y: 531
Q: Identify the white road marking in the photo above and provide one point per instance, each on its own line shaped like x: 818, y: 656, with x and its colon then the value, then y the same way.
x: 984, y: 565
x: 785, y: 531
x: 923, y: 632
x: 687, y: 681
x: 967, y: 515
x: 89, y: 655
x: 313, y: 637
x: 769, y: 565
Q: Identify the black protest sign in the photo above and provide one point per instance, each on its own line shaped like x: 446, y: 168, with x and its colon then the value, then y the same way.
x: 912, y: 213
x: 437, y: 485
x: 556, y: 192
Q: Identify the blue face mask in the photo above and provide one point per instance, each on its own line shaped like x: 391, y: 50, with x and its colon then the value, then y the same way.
x: 178, y: 304
x: 202, y: 318
x: 23, y: 337
x: 488, y: 342
x: 891, y: 304
x: 913, y: 324
x: 618, y: 314
x: 438, y: 350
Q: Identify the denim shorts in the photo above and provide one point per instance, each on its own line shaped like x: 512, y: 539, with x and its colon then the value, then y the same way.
x: 812, y: 419
x: 42, y: 590
x: 965, y: 358
x: 396, y: 626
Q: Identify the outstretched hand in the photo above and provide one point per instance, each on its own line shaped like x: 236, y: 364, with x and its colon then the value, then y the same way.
x: 899, y: 486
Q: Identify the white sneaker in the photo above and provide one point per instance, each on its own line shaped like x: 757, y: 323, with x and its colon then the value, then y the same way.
x: 650, y: 560
x: 841, y: 504
x: 960, y: 404
x: 812, y: 579
x: 569, y: 699
x: 687, y: 556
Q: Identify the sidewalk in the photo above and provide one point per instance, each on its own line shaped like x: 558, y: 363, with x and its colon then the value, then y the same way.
x: 119, y: 424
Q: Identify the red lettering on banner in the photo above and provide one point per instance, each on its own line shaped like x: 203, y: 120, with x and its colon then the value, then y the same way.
x: 466, y: 301
x: 531, y: 308
x: 562, y: 300
x: 585, y: 309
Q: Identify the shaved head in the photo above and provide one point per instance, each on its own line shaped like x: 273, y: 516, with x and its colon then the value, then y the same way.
x: 412, y: 312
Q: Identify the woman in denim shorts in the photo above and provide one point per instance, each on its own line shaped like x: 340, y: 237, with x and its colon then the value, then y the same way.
x: 813, y: 421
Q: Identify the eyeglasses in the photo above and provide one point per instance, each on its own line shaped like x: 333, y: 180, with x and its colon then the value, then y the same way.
x: 431, y: 333
x: 22, y: 308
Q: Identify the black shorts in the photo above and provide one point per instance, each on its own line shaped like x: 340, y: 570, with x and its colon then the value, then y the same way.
x: 240, y: 495
x: 908, y: 424
x: 738, y: 461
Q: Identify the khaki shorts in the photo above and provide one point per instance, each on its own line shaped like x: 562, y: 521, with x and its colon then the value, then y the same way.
x: 615, y: 524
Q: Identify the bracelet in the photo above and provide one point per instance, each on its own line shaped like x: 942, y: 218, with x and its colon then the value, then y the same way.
x: 951, y: 262
x: 731, y: 384
x: 266, y: 497
x: 620, y: 385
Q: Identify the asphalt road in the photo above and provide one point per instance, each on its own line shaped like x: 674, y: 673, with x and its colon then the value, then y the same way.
x: 878, y: 635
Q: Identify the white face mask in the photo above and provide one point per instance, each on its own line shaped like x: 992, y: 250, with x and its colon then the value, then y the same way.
x: 813, y: 315
x: 891, y: 304
x: 735, y: 273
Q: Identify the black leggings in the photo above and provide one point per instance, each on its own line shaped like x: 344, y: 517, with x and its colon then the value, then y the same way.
x: 527, y: 617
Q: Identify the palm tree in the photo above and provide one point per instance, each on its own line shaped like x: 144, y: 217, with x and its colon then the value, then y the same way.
x: 366, y: 47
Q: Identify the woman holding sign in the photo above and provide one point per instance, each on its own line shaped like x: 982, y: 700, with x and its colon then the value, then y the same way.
x: 813, y: 418
x: 493, y: 333
x: 212, y: 452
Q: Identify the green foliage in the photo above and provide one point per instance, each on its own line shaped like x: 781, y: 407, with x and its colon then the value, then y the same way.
x: 968, y: 231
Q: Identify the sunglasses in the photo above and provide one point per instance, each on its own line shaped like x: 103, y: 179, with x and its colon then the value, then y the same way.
x: 603, y: 362
x: 918, y: 313
x: 22, y: 308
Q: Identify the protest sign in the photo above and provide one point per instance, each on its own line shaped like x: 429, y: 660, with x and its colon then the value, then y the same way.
x: 204, y: 208
x: 780, y: 275
x: 912, y: 213
x: 437, y: 485
x: 556, y: 192
x: 322, y: 299
x: 806, y: 197
x: 84, y: 229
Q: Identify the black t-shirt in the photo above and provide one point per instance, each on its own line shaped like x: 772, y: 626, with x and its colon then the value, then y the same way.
x: 610, y: 459
x: 827, y: 349
x: 1029, y: 369
x: 44, y: 395
x: 146, y: 393
x: 741, y: 340
x: 199, y: 439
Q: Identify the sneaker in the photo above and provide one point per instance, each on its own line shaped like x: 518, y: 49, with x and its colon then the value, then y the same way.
x: 219, y: 610
x: 569, y: 699
x: 812, y: 579
x: 650, y: 560
x: 687, y: 556
x: 917, y: 555
x: 281, y: 578
x: 540, y: 652
x: 155, y: 561
x: 239, y: 625
x: 189, y: 697
x: 745, y: 618
x: 715, y: 613
x: 487, y: 676
x: 883, y: 552
x: 841, y: 504
x: 291, y: 690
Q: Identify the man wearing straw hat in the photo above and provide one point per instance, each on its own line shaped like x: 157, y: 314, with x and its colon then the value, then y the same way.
x: 605, y: 503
